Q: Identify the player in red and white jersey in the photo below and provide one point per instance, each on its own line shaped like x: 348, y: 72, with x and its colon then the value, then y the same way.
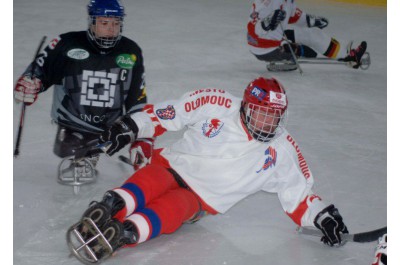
x: 232, y: 148
x: 271, y: 21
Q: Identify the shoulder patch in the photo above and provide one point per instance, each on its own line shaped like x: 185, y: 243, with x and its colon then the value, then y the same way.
x: 53, y: 43
x: 166, y: 114
x: 270, y: 160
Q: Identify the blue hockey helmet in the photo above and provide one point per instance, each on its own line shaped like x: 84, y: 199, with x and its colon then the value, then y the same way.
x: 108, y: 9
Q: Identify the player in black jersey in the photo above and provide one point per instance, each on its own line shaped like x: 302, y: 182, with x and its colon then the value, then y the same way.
x: 97, y: 76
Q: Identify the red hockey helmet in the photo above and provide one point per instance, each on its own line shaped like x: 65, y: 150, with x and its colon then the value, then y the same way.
x: 264, y: 108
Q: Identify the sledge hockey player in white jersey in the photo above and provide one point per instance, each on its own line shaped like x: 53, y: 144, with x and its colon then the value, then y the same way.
x: 232, y: 148
x: 271, y: 36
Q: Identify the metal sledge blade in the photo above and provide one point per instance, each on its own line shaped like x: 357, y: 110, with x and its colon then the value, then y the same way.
x: 76, y: 173
x: 281, y: 66
x: 79, y: 169
x: 365, y: 61
x: 86, y: 242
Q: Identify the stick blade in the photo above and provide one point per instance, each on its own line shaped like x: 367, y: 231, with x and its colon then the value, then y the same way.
x: 370, y: 236
x: 16, y: 153
x: 363, y: 237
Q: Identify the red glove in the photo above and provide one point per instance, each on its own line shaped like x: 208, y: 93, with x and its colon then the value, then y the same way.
x: 27, y: 88
x: 140, y: 152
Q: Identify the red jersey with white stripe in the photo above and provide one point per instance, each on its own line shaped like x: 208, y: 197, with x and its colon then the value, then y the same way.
x: 221, y: 162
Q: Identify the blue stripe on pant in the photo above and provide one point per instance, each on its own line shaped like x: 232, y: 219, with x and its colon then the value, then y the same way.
x: 137, y: 192
x: 154, y: 221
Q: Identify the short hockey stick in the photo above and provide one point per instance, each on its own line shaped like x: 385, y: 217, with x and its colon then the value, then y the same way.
x: 22, y: 116
x: 92, y: 148
x: 363, y: 237
x: 291, y: 50
x: 125, y: 160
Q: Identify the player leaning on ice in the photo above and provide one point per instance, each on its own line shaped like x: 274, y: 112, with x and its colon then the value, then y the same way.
x: 276, y: 28
x: 232, y: 147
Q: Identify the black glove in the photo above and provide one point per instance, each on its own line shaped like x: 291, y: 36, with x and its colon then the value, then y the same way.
x: 319, y: 22
x: 330, y: 222
x: 272, y: 21
x: 121, y: 133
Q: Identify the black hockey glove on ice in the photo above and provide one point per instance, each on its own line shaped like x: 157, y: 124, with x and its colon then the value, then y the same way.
x: 121, y: 133
x: 272, y: 21
x: 319, y: 22
x: 330, y: 222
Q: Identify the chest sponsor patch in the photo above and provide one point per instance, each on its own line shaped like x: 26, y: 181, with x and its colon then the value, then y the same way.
x: 78, y: 54
x: 126, y: 61
x: 270, y: 160
x: 212, y: 128
x: 166, y: 114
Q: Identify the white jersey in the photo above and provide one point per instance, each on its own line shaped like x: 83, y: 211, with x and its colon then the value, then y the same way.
x: 221, y: 162
x: 262, y: 41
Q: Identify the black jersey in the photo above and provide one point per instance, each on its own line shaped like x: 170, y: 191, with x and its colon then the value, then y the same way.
x: 91, y: 89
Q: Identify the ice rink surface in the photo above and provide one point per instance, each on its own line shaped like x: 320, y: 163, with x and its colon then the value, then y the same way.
x: 337, y: 115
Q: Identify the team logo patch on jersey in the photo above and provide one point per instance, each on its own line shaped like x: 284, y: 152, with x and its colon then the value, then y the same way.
x: 126, y: 61
x: 78, y: 54
x: 166, y: 114
x: 98, y: 89
x: 212, y: 128
x: 270, y: 161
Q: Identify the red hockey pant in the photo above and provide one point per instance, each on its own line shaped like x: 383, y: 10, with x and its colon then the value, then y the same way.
x: 155, y: 203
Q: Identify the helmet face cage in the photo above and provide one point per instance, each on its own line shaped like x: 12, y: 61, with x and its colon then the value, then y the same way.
x: 264, y: 108
x: 105, y: 9
x: 264, y: 123
x: 104, y: 42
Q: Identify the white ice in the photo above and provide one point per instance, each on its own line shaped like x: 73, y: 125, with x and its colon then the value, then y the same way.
x: 338, y: 116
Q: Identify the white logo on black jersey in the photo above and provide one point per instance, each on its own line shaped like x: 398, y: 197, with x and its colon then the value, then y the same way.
x: 98, y: 88
x: 78, y: 54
